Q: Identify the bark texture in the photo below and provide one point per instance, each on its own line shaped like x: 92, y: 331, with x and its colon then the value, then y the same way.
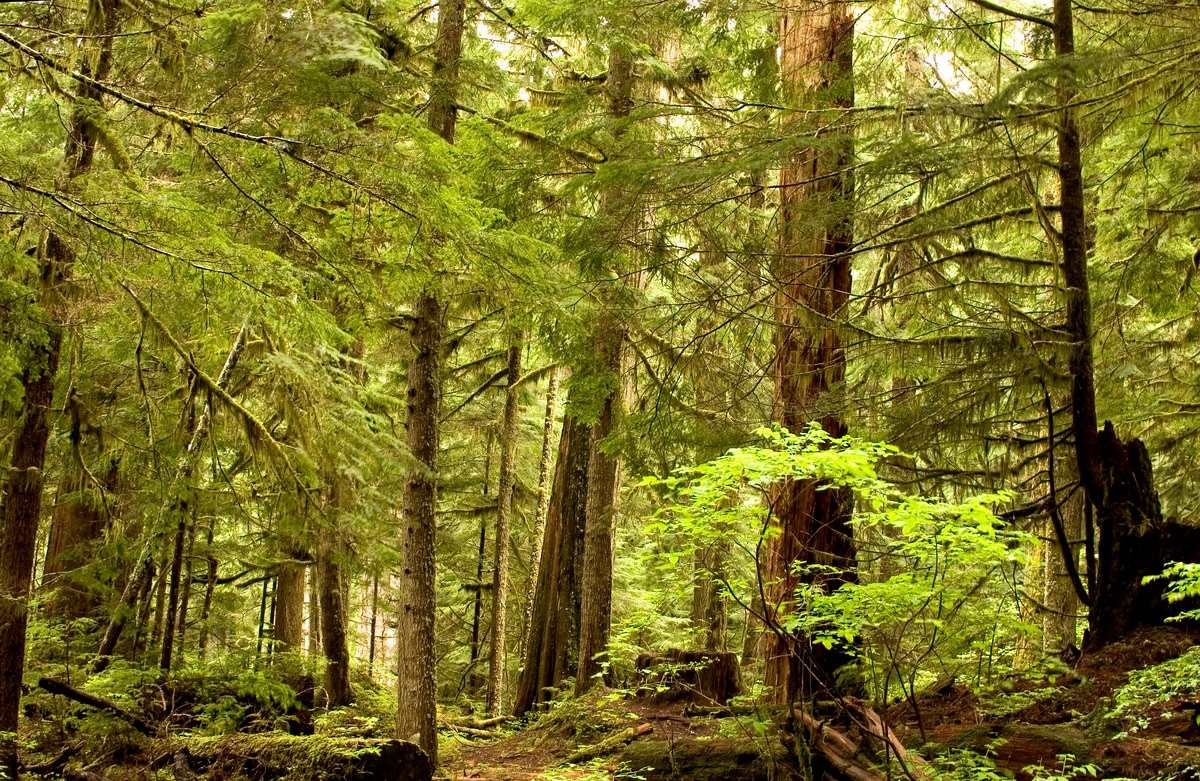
x: 289, y: 604
x: 545, y: 477
x: 812, y: 277
x: 331, y: 585
x: 552, y: 652
x: 417, y: 685
x: 604, y: 471
x: 508, y: 458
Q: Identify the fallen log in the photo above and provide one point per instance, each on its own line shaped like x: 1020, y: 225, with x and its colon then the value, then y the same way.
x: 55, y: 686
x: 875, y: 727
x: 307, y: 758
x: 837, y: 750
x: 706, y: 759
x: 610, y: 744
x: 54, y: 765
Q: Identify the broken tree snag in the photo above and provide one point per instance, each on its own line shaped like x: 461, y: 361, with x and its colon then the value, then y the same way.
x: 705, y: 677
x: 55, y: 686
x: 1134, y: 541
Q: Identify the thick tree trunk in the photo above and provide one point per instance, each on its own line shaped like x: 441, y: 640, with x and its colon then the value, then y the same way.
x: 21, y: 509
x: 508, y: 460
x: 552, y: 651
x: 417, y: 682
x: 289, y: 603
x: 417, y: 685
x: 604, y: 471
x: 812, y: 272
x: 545, y: 475
x: 335, y: 644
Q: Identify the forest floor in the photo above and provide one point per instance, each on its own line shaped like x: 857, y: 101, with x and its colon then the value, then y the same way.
x: 1025, y: 722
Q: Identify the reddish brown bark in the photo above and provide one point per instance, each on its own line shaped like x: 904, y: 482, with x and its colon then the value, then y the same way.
x: 812, y: 275
x: 551, y: 653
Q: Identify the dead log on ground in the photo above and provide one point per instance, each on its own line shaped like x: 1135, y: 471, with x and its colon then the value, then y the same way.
x: 55, y: 686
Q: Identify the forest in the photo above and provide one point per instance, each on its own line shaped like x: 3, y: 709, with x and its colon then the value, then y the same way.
x: 655, y: 390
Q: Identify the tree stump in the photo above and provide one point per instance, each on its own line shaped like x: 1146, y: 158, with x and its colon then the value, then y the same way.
x: 706, y: 677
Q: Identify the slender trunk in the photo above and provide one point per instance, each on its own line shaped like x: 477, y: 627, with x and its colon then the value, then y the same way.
x: 142, y: 606
x: 812, y: 272
x: 189, y: 576
x: 604, y: 471
x: 21, y: 508
x: 752, y: 639
x: 552, y: 653
x: 314, y: 614
x: 210, y: 588
x: 545, y: 474
x: 374, y: 625
x: 472, y: 680
x: 508, y: 459
x: 334, y: 618
x: 262, y: 616
x: 176, y: 570
x: 289, y: 603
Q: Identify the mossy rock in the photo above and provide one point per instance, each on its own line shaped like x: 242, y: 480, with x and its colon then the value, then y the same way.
x: 276, y: 756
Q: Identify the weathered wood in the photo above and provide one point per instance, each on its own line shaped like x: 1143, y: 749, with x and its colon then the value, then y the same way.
x: 706, y: 677
x: 55, y: 686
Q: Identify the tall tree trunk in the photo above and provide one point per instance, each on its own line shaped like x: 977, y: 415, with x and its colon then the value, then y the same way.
x: 289, y: 602
x: 508, y: 459
x: 812, y: 272
x: 473, y: 680
x: 417, y: 667
x: 552, y: 652
x: 604, y: 471
x: 21, y: 509
x: 331, y: 585
x: 545, y: 475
